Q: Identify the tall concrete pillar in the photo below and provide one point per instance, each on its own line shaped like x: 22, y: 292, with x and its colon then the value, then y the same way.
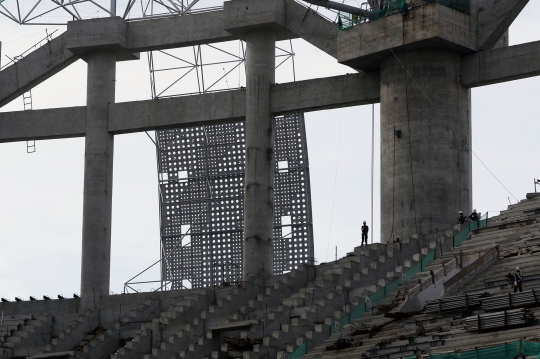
x: 98, y: 178
x: 426, y: 173
x: 259, y: 180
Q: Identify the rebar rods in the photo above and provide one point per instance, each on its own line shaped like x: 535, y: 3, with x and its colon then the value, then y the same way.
x: 502, y: 319
x: 455, y: 303
x: 511, y: 300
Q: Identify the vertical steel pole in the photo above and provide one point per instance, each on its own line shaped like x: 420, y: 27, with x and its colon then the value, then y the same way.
x: 372, y: 163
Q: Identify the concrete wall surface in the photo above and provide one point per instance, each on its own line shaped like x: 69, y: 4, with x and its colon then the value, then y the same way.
x: 426, y: 174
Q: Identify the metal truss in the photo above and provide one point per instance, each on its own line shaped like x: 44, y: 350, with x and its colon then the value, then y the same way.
x: 59, y: 12
x: 206, y: 68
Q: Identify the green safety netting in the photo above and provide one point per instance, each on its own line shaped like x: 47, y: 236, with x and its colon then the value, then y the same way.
x: 465, y: 232
x: 530, y: 348
x: 391, y: 7
x: 502, y: 351
x: 376, y: 297
x: 298, y: 353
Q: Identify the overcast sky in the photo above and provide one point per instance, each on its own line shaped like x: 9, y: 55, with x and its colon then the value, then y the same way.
x: 41, y: 193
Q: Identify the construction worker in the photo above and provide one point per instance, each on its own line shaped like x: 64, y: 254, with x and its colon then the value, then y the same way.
x: 518, y: 277
x: 461, y: 217
x: 475, y: 217
x: 365, y: 230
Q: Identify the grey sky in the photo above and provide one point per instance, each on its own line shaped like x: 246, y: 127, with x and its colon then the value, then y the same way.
x: 41, y: 193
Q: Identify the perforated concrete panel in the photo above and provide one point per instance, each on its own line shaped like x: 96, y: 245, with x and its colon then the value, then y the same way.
x: 201, y: 179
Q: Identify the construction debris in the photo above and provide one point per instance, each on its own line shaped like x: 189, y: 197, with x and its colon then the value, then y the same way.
x: 237, y: 343
x: 341, y: 344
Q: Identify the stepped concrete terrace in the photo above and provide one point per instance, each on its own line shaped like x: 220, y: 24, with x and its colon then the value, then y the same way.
x: 432, y: 316
x: 279, y: 313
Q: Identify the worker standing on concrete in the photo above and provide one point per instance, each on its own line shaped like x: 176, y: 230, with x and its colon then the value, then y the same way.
x: 474, y: 217
x: 365, y: 230
x: 461, y: 217
x: 518, y: 276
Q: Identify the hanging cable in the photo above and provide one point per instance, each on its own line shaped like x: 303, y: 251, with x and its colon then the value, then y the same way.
x: 410, y: 152
x: 372, y: 162
x: 335, y: 180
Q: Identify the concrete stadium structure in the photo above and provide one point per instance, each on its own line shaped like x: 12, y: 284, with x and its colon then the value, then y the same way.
x: 426, y: 142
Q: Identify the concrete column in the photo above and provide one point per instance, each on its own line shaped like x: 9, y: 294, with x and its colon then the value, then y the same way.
x: 426, y: 169
x: 98, y: 179
x: 259, y: 180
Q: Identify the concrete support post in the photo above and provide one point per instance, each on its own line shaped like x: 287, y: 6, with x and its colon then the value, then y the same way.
x: 426, y: 173
x: 98, y: 179
x: 259, y: 180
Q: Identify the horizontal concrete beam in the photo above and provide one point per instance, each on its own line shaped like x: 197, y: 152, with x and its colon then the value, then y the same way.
x: 226, y: 106
x: 326, y: 93
x: 495, y: 18
x: 34, y: 68
x: 209, y: 108
x: 42, y: 124
x: 501, y: 65
x: 125, y: 117
x: 177, y: 31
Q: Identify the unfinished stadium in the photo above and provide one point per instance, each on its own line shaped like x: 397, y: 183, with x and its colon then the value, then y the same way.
x: 234, y: 177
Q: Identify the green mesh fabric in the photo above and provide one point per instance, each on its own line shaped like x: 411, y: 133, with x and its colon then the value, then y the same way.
x: 465, y: 232
x: 413, y: 270
x: 530, y: 348
x: 379, y: 295
x: 392, y: 7
x: 503, y: 351
x: 298, y: 353
x: 346, y: 21
x: 358, y: 311
x: 428, y: 259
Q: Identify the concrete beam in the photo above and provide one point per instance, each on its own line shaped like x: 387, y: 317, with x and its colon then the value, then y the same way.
x: 226, y: 106
x: 177, y: 31
x: 501, y: 65
x: 34, y: 68
x: 433, y: 27
x: 42, y: 124
x: 312, y: 27
x: 494, y: 19
x: 207, y: 108
x: 325, y: 93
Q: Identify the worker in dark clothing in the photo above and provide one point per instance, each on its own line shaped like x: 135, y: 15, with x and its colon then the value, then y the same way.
x: 518, y: 277
x: 365, y: 230
x: 475, y: 217
x: 461, y: 217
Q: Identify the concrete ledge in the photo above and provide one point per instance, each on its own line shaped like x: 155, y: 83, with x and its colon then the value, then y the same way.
x: 433, y: 27
x: 42, y: 124
x: 99, y: 34
x: 501, y: 65
x: 242, y: 16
